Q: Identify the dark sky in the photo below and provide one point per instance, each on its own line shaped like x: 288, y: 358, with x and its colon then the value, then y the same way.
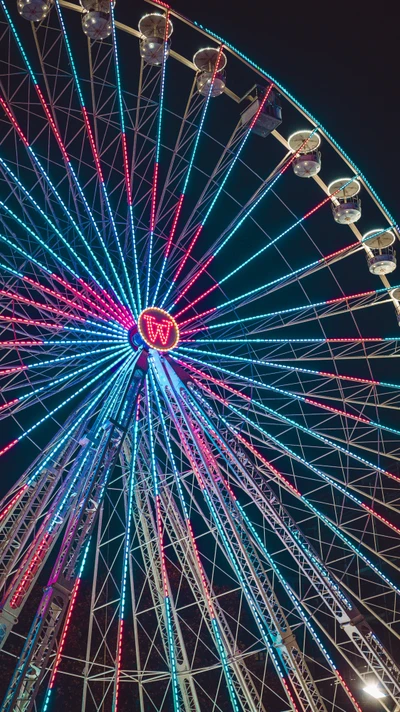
x: 338, y: 59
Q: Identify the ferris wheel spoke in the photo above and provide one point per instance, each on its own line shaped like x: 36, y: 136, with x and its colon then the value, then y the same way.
x: 23, y: 368
x: 177, y: 692
x: 270, y: 472
x: 299, y: 273
x: 154, y: 189
x: 263, y: 291
x: 328, y: 307
x: 129, y: 508
x: 346, y: 491
x: 127, y: 167
x: 29, y: 399
x: 103, y: 316
x: 52, y: 412
x: 60, y: 141
x: 39, y: 306
x: 168, y: 205
x: 314, y: 569
x: 67, y: 567
x: 312, y: 349
x: 112, y: 313
x: 313, y: 433
x: 219, y: 62
x: 33, y: 157
x: 19, y: 516
x: 38, y: 239
x: 239, y: 687
x: 362, y: 419
x: 129, y: 300
x: 356, y: 484
x: 37, y: 164
x: 212, y: 190
x: 298, y: 222
x: 294, y: 597
x: 254, y: 201
x: 196, y: 458
x: 109, y: 303
x: 294, y: 369
x: 116, y: 310
x: 292, y: 657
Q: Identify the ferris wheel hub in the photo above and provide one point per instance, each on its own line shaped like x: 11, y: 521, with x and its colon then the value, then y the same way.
x: 158, y: 329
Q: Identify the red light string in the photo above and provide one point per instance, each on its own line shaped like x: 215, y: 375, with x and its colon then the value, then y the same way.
x: 280, y: 173
x: 200, y: 227
x: 41, y: 305
x: 360, y: 503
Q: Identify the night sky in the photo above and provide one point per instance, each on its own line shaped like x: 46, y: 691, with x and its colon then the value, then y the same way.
x: 340, y: 60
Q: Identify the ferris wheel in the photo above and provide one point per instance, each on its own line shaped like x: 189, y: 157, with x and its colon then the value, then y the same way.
x: 200, y: 434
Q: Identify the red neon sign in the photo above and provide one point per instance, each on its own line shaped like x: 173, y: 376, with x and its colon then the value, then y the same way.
x: 158, y: 329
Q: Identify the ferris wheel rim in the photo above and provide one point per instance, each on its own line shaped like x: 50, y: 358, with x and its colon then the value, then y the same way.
x: 263, y: 73
x: 196, y: 398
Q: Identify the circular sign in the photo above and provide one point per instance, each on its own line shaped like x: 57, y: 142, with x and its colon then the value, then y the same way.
x: 158, y: 329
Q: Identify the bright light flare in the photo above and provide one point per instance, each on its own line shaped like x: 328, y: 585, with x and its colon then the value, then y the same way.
x: 374, y: 690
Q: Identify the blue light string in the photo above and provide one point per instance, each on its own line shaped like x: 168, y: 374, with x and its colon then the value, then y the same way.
x: 304, y: 307
x: 103, y: 186
x: 260, y: 362
x: 303, y: 109
x: 62, y: 379
x: 290, y: 394
x: 343, y: 490
x: 67, y: 400
x: 50, y: 457
x: 157, y: 155
x: 269, y: 244
x: 214, y: 623
x: 336, y: 530
x: 123, y: 132
x: 168, y: 616
x: 189, y: 168
x: 69, y: 165
x: 54, y: 227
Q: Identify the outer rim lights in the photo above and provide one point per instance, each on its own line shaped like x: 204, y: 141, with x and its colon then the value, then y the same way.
x: 374, y: 690
x: 158, y: 329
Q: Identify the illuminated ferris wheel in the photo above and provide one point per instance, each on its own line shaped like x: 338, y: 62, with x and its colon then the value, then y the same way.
x: 199, y: 407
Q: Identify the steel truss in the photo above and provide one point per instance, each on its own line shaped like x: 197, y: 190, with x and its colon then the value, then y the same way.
x: 217, y: 527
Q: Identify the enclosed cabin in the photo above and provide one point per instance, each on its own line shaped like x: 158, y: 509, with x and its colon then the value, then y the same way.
x: 305, y: 145
x: 96, y: 20
x: 34, y: 10
x: 155, y: 39
x: 270, y: 116
x: 381, y: 255
x: 211, y: 77
x: 346, y: 204
x: 395, y: 294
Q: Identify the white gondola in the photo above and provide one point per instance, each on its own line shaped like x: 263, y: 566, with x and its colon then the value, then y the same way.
x: 346, y: 204
x: 205, y: 61
x: 152, y: 28
x: 308, y: 160
x: 96, y: 22
x: 34, y: 10
x: 381, y: 255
